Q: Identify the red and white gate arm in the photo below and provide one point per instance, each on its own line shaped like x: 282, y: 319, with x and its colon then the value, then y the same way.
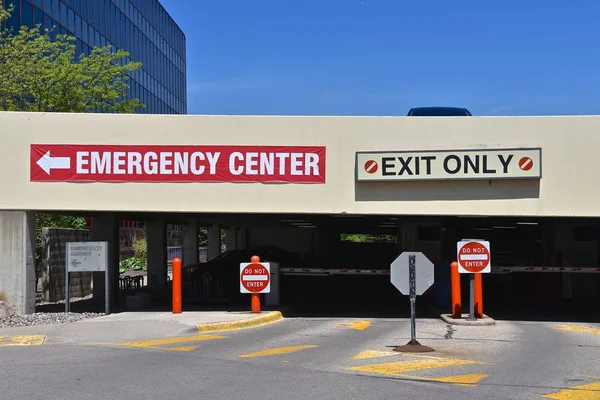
x: 323, y: 272
x: 583, y: 270
x: 495, y: 270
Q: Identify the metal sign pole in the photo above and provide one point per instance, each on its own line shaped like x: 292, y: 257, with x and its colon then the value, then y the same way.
x: 106, y: 284
x: 472, y: 305
x: 67, y: 291
x: 413, y: 297
x: 414, y: 346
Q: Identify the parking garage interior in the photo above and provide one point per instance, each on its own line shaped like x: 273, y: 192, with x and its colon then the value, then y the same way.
x: 338, y: 265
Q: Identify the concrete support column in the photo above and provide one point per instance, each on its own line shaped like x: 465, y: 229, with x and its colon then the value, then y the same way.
x: 105, y: 228
x: 157, y: 258
x: 214, y: 241
x: 231, y: 239
x: 17, y: 260
x: 561, y: 240
x: 190, y: 244
x: 242, y: 238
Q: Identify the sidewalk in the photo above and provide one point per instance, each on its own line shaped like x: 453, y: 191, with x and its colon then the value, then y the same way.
x: 135, y: 326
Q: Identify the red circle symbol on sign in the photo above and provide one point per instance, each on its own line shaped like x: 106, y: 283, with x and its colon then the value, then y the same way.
x: 525, y: 163
x: 371, y: 166
x: 474, y: 257
x: 255, y: 278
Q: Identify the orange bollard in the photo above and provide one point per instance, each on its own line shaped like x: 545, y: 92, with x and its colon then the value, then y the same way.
x: 455, y: 288
x: 478, y: 296
x: 176, y: 286
x: 255, y: 297
x: 255, y: 302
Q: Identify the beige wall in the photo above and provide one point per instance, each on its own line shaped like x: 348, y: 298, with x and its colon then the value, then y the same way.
x: 568, y: 186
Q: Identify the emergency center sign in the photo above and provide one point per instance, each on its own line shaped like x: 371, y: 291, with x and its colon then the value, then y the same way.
x: 471, y: 164
x: 124, y: 163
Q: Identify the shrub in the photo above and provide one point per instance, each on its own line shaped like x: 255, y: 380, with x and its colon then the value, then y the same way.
x: 140, y: 248
x: 133, y: 263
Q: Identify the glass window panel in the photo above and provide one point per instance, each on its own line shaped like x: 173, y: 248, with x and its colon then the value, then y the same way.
x: 63, y: 14
x: 97, y: 38
x: 78, y: 6
x: 97, y: 14
x: 55, y: 10
x: 26, y: 16
x: 71, y: 3
x: 47, y: 7
x: 78, y: 26
x: 84, y: 31
x: 78, y: 48
x: 111, y: 20
x: 103, y: 15
x: 39, y: 17
x: 71, y: 16
x: 39, y: 4
x: 47, y: 22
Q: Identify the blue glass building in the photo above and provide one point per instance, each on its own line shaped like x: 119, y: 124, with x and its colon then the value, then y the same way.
x: 141, y: 27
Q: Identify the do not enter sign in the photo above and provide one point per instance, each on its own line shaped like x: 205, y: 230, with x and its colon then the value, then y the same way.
x: 473, y: 256
x: 255, y: 278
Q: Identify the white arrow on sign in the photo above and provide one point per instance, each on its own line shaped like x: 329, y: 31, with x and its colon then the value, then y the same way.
x: 47, y: 162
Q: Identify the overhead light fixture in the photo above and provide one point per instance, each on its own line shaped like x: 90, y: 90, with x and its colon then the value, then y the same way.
x: 505, y: 227
x: 527, y: 223
x: 292, y: 220
x: 306, y: 226
x: 482, y: 229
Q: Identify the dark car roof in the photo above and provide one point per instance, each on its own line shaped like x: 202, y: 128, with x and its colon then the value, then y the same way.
x: 438, y: 111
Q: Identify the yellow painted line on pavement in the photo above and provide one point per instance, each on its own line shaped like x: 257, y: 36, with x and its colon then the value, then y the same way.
x: 181, y: 348
x: 462, y: 380
x: 578, y: 329
x: 582, y: 392
x: 374, y: 354
x: 22, y: 340
x: 401, y: 367
x: 358, y: 325
x: 277, y: 351
x: 160, y: 342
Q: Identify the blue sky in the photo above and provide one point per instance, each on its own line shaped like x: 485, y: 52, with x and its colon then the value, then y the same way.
x: 381, y: 57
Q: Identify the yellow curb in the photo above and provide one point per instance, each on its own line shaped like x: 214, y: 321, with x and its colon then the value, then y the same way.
x: 22, y: 340
x: 267, y: 318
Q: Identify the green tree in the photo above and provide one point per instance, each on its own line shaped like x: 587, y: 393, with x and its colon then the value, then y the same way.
x: 43, y: 75
x: 39, y: 74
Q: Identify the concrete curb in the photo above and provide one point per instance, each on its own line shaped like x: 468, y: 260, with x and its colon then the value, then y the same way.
x: 485, y: 321
x: 264, y: 319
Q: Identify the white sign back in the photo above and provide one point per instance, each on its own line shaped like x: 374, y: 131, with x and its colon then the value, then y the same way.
x: 400, y: 273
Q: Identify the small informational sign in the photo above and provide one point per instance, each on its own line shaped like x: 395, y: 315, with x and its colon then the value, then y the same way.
x: 475, y: 164
x: 87, y: 256
x: 473, y: 256
x: 255, y: 277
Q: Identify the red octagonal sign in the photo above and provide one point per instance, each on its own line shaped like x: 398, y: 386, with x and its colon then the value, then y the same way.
x: 255, y: 278
x: 474, y: 256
